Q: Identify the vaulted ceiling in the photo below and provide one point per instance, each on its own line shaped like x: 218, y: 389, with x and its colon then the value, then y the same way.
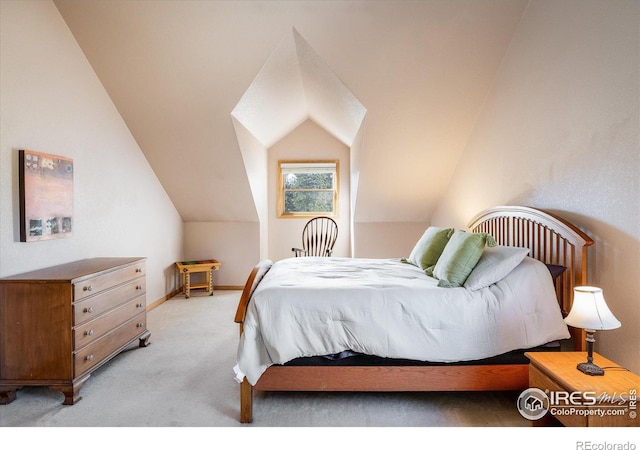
x: 294, y: 85
x: 180, y: 72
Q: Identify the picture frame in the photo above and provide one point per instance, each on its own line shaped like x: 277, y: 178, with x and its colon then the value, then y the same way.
x: 46, y: 196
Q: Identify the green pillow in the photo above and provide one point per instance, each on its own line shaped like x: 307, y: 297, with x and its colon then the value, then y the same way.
x: 429, y: 247
x: 460, y: 256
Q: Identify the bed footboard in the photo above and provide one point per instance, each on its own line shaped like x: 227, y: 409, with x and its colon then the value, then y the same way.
x: 254, y: 279
x: 246, y: 402
x: 246, y: 390
x: 498, y: 377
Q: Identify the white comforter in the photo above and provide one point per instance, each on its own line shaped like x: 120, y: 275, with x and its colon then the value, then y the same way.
x: 383, y: 307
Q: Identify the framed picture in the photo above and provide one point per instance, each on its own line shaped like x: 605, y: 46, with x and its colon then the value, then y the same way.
x: 46, y: 196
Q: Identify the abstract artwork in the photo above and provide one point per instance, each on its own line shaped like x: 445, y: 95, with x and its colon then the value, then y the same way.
x: 46, y: 196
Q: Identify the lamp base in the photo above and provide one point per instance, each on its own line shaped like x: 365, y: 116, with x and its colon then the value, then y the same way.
x: 590, y: 369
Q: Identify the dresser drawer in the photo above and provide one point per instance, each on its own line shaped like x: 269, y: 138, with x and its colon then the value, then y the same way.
x: 94, y: 353
x: 88, y: 332
x: 94, y: 285
x: 540, y: 380
x: 91, y: 308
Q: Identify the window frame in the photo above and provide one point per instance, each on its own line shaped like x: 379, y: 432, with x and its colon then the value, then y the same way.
x: 282, y: 214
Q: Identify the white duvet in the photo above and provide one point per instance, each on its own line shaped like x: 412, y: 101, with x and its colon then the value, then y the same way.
x: 383, y: 307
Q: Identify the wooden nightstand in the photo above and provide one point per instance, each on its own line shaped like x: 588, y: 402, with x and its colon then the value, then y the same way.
x: 577, y: 399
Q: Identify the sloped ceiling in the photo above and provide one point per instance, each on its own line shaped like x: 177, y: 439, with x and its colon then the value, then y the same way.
x: 294, y: 85
x: 177, y: 69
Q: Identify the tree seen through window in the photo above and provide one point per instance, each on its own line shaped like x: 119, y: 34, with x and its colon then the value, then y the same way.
x: 308, y: 188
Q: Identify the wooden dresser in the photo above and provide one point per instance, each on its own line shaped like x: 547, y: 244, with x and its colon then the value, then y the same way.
x: 59, y: 324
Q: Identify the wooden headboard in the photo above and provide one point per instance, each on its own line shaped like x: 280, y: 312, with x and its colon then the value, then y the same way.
x: 549, y: 238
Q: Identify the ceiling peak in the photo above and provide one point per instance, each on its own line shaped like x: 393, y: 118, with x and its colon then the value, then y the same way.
x: 294, y: 85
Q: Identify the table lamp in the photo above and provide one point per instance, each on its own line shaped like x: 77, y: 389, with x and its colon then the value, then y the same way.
x: 590, y: 312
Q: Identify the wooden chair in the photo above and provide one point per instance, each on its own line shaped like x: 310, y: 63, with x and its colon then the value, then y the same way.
x: 318, y: 237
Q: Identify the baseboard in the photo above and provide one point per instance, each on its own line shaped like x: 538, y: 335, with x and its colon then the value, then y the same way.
x: 160, y: 301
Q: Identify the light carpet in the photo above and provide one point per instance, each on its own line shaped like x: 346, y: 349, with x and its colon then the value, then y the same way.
x: 185, y: 379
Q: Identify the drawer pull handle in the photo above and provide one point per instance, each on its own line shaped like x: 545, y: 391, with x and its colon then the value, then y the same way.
x: 89, y: 309
x: 88, y: 333
x: 139, y: 325
x: 138, y: 270
x: 88, y: 288
x: 89, y: 358
x: 139, y: 287
x: 139, y: 305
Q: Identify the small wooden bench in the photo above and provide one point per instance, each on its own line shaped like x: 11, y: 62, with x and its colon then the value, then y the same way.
x: 186, y: 268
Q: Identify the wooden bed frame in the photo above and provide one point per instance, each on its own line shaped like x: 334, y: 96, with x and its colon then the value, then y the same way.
x: 550, y: 239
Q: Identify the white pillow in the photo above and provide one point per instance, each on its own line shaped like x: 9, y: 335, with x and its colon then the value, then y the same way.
x: 494, y: 264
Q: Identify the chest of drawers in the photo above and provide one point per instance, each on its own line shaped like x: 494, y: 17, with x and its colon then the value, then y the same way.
x: 59, y: 324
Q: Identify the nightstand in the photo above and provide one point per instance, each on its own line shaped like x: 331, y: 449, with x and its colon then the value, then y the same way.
x: 579, y: 400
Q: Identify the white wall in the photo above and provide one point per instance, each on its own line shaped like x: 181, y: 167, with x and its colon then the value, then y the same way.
x: 52, y: 102
x: 308, y: 141
x: 387, y: 239
x: 236, y: 245
x: 560, y: 131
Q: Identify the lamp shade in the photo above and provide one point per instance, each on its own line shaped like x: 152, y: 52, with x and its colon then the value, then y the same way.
x: 590, y: 311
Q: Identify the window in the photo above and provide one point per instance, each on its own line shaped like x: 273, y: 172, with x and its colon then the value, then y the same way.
x: 307, y: 188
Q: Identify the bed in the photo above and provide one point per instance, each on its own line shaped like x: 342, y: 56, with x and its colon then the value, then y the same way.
x: 321, y: 324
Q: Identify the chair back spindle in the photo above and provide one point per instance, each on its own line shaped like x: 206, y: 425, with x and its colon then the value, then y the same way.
x: 318, y: 237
